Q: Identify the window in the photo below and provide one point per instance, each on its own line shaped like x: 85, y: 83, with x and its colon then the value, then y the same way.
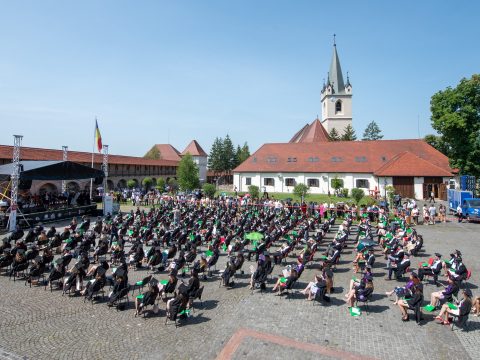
x: 338, y: 107
x: 269, y: 182
x: 254, y: 160
x: 384, y: 158
x: 248, y: 181
x: 292, y: 159
x: 336, y: 159
x: 271, y: 159
x: 290, y: 182
x: 360, y: 159
x: 313, y: 183
x: 362, y: 184
x: 313, y: 159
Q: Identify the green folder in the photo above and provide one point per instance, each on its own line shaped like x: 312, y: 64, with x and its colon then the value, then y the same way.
x: 139, y: 282
x: 209, y: 253
x: 323, y: 257
x: 425, y: 264
x: 355, y: 311
x: 429, y: 308
x: 140, y: 297
x: 283, y: 280
x: 354, y: 278
x: 164, y: 282
x: 452, y: 306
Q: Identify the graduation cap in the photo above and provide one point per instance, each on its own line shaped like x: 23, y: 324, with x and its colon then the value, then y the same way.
x: 38, y: 259
x: 438, y: 255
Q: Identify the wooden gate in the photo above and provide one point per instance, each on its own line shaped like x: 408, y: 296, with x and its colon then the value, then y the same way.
x: 404, y: 186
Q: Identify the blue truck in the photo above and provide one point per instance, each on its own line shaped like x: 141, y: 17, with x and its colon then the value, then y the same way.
x: 470, y: 205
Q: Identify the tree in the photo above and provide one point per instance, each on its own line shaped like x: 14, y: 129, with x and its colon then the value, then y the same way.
x: 147, y: 183
x: 301, y: 190
x: 131, y: 183
x: 349, y: 134
x: 437, y: 142
x: 172, y: 185
x: 187, y: 173
x: 215, y: 156
x: 153, y: 154
x: 227, y: 155
x: 456, y: 117
x: 243, y: 153
x: 357, y: 194
x: 337, y: 184
x: 161, y: 184
x: 334, y: 136
x: 209, y: 190
x: 372, y: 132
x: 254, y: 191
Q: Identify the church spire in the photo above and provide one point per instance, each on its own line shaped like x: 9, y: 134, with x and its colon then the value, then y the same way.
x: 335, y: 76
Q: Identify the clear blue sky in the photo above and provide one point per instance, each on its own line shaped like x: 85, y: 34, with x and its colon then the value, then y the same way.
x: 159, y: 71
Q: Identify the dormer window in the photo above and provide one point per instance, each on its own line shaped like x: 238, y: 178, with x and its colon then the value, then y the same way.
x: 338, y: 107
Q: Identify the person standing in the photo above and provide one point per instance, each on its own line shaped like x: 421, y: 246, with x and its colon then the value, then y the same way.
x: 433, y: 213
x: 432, y: 197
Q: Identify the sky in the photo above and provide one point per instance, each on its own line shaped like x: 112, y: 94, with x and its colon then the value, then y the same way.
x: 172, y: 71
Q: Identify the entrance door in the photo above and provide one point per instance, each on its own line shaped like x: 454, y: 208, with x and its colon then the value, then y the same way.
x: 404, y: 186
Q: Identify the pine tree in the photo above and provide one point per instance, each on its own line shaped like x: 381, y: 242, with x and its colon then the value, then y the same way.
x: 349, y: 134
x: 334, y: 135
x: 243, y: 153
x: 227, y: 154
x: 372, y: 132
x: 214, y: 158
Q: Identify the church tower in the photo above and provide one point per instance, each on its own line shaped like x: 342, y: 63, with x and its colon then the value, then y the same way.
x: 336, y: 98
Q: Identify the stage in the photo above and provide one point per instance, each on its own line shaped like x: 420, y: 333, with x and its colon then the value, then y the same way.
x: 51, y: 216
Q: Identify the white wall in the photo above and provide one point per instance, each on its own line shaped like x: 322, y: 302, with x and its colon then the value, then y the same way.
x: 201, y: 162
x: 324, y: 181
x: 418, y: 187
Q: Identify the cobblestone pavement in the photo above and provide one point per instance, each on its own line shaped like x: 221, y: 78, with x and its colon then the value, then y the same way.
x: 39, y: 324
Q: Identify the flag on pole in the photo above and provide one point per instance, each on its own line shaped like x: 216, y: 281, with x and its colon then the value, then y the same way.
x: 98, y: 137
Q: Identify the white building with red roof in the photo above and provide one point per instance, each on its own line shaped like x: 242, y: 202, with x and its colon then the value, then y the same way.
x: 412, y: 166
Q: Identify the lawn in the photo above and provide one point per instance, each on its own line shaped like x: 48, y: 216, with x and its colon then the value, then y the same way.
x: 318, y: 198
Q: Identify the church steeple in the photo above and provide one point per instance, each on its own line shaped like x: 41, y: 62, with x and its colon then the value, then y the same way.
x: 336, y: 97
x: 335, y: 76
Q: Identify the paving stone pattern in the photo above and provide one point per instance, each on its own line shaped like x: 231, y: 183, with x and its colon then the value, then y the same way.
x: 39, y: 324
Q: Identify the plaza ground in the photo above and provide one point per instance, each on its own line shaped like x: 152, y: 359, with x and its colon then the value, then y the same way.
x: 39, y: 324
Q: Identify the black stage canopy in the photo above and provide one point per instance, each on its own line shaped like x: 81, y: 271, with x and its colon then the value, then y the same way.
x: 51, y: 170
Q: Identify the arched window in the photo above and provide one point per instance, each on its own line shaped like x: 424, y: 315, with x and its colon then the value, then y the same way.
x: 338, y: 107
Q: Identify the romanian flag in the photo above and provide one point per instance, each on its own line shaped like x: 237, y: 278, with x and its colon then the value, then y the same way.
x: 98, y: 137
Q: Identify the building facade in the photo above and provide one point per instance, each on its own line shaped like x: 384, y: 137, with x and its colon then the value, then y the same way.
x: 121, y: 168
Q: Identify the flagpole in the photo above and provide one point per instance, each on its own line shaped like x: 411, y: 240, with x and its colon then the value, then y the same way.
x: 93, y: 152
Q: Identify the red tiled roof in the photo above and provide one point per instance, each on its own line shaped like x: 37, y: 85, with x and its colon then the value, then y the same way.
x: 168, y: 152
x: 315, y: 132
x: 409, y: 164
x: 28, y: 153
x: 194, y: 149
x: 343, y: 157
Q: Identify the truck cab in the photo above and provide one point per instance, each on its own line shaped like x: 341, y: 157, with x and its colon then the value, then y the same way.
x: 471, y: 209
